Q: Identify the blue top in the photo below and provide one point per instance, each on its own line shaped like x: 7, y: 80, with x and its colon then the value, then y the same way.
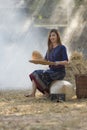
x: 58, y: 53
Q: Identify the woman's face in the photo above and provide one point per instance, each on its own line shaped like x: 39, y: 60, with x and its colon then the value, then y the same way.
x: 53, y: 37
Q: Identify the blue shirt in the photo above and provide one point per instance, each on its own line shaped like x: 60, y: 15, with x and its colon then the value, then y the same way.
x: 58, y: 53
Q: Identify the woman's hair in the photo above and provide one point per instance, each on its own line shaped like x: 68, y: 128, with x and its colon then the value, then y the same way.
x: 50, y: 43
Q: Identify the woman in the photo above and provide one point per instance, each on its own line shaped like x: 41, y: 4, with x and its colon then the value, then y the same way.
x: 42, y: 79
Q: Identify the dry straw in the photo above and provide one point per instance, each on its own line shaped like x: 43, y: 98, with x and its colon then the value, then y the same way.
x: 77, y: 65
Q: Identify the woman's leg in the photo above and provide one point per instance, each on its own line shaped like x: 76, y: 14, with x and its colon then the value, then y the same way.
x: 33, y: 90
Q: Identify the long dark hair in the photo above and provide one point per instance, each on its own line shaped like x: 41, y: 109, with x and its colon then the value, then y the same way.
x: 50, y: 43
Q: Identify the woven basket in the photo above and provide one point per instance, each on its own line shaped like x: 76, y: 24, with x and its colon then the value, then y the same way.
x: 81, y: 85
x: 42, y: 62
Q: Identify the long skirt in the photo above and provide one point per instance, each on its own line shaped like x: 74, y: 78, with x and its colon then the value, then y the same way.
x: 44, y: 78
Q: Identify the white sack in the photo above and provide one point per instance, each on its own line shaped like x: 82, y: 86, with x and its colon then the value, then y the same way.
x: 62, y: 86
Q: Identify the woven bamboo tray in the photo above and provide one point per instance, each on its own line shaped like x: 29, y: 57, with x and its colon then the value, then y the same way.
x: 81, y: 85
x: 42, y: 62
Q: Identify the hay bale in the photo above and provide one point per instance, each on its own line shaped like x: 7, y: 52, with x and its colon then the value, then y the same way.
x: 77, y: 65
x: 62, y: 87
x: 76, y: 56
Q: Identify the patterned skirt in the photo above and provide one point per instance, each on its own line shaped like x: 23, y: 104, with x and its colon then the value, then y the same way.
x: 44, y: 78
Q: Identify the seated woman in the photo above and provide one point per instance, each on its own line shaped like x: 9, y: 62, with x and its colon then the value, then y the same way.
x: 56, y: 52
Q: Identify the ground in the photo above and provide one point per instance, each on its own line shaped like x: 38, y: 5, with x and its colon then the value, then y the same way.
x: 20, y: 113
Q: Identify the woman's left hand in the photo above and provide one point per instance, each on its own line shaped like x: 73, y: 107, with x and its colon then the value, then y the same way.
x: 56, y: 63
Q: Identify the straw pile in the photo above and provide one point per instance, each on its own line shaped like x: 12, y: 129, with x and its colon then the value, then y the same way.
x: 77, y: 65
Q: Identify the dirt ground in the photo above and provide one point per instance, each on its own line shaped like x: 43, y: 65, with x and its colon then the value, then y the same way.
x: 20, y: 113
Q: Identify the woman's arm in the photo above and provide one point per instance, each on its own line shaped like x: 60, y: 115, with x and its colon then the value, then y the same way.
x: 65, y: 62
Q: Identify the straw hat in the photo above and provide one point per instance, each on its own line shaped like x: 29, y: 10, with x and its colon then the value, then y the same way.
x: 36, y: 55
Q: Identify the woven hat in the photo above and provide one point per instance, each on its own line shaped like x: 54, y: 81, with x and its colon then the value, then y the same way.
x: 36, y: 55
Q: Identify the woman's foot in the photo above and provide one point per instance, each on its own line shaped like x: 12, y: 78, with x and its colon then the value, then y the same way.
x: 29, y: 95
x: 46, y: 94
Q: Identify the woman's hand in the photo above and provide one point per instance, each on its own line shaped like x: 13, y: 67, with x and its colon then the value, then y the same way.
x: 56, y: 63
